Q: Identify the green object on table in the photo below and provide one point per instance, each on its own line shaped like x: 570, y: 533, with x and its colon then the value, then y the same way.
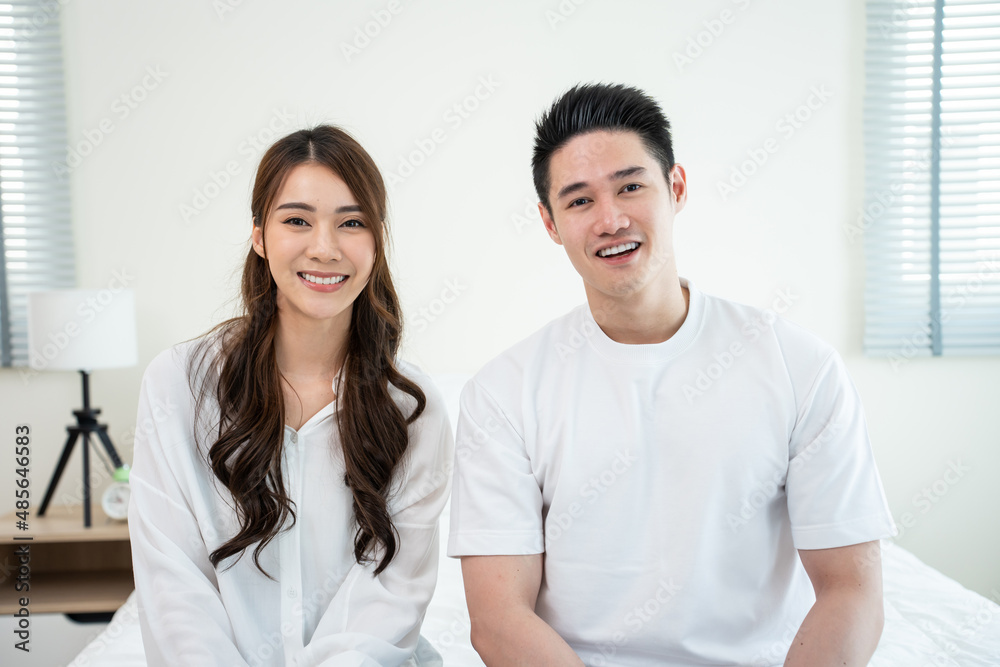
x: 121, y: 473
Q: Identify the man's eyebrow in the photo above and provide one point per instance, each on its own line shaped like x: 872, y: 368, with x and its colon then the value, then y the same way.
x: 572, y: 187
x: 621, y: 173
x: 626, y: 172
x: 353, y: 208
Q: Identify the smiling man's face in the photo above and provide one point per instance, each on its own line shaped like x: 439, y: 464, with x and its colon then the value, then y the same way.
x: 613, y: 211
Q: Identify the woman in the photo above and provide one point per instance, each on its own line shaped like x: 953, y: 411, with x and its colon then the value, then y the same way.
x: 286, y: 493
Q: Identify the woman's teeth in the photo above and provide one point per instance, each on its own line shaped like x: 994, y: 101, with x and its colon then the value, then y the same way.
x: 323, y: 281
x: 618, y: 249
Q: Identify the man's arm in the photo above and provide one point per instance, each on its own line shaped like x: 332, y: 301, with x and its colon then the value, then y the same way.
x: 844, y: 626
x: 501, y: 592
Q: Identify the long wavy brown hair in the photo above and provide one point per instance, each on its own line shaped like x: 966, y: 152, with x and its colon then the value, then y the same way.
x: 236, y: 362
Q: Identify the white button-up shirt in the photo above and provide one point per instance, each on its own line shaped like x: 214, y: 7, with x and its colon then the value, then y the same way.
x: 321, y: 607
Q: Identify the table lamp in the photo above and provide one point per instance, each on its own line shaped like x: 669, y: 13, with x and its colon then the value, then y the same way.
x: 81, y: 330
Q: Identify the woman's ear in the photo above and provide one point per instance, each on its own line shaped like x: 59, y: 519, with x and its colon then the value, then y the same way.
x: 257, y: 240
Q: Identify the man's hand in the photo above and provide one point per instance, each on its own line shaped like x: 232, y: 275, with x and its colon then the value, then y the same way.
x: 501, y: 592
x: 844, y: 626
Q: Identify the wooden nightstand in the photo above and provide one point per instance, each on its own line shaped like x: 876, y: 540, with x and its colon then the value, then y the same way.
x: 73, y: 569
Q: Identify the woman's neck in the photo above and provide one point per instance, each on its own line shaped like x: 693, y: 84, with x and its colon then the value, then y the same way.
x: 311, y: 350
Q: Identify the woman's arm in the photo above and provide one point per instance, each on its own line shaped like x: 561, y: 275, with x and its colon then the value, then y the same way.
x: 181, y: 614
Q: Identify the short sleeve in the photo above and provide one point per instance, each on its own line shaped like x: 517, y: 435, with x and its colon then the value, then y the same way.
x: 835, y: 496
x: 496, y: 506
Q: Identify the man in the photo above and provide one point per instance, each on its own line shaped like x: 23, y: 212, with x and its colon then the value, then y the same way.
x: 659, y: 477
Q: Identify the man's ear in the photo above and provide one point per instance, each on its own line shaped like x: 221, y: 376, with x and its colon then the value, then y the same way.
x: 257, y: 239
x: 678, y: 186
x: 550, y: 225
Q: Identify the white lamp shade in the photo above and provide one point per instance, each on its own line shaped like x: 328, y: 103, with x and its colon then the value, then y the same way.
x: 81, y: 329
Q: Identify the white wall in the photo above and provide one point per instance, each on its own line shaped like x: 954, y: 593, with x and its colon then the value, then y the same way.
x: 461, y: 215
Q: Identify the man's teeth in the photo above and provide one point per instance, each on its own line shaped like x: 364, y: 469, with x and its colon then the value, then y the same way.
x: 618, y: 249
x: 323, y: 281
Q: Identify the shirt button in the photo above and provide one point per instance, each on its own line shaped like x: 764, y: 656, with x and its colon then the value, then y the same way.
x: 295, y: 437
x: 292, y: 593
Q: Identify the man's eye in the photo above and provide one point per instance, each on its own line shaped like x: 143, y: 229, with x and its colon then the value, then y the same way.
x: 578, y: 202
x: 631, y: 187
x: 296, y: 222
x: 354, y: 223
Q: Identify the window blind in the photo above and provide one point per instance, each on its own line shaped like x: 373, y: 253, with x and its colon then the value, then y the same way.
x: 931, y: 219
x: 36, y: 244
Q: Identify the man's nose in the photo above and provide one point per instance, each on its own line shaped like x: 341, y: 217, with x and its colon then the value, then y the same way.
x: 610, y: 218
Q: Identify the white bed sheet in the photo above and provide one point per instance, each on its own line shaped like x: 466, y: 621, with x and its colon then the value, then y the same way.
x: 930, y: 619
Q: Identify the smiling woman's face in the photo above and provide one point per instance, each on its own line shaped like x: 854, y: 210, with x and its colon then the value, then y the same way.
x: 319, y: 247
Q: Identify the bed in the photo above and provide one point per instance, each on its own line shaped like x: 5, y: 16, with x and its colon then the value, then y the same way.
x: 930, y: 620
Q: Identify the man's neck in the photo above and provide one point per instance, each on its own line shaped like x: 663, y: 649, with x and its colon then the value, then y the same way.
x: 647, y: 317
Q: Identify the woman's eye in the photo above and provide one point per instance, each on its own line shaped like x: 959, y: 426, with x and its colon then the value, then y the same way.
x: 296, y: 222
x: 354, y: 223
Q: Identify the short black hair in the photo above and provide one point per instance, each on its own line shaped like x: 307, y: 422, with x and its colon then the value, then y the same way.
x: 597, y: 106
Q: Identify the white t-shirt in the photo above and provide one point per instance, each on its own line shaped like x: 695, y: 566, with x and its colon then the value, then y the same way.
x: 668, y: 485
x: 321, y: 607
